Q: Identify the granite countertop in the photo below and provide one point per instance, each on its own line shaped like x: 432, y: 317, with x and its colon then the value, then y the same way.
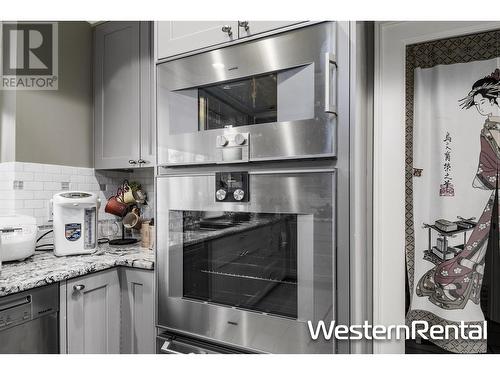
x: 45, y: 268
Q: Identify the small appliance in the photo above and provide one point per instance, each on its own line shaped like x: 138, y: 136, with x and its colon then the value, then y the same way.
x: 17, y: 237
x: 75, y: 222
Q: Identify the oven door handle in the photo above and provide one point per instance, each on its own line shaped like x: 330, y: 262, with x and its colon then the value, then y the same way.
x: 329, y: 60
x: 165, y: 348
x: 182, y: 348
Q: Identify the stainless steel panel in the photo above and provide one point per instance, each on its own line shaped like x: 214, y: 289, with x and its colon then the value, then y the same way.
x: 39, y: 336
x: 315, y: 137
x: 309, y: 194
x: 170, y: 343
x: 29, y: 321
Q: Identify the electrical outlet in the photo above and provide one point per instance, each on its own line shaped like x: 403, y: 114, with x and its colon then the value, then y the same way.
x: 18, y: 185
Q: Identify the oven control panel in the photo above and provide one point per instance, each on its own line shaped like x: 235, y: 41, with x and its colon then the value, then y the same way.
x: 232, y: 147
x: 232, y: 187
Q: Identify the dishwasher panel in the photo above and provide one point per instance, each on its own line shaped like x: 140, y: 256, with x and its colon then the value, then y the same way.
x: 29, y: 321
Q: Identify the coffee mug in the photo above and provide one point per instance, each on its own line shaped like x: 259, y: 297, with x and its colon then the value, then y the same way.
x: 116, y: 205
x: 140, y: 196
x: 128, y: 194
x: 132, y: 219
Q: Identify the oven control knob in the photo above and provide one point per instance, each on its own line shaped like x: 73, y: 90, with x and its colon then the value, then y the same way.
x: 222, y: 141
x: 220, y: 194
x: 238, y: 194
x: 239, y: 139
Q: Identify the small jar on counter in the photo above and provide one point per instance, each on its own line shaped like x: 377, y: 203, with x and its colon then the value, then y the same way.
x: 152, y: 234
x: 145, y: 236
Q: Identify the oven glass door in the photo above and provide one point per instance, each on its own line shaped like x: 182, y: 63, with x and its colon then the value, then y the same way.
x: 240, y: 259
x: 249, y: 273
x: 286, y: 95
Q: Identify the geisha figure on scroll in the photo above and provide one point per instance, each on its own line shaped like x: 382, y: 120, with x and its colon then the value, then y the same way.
x: 454, y: 282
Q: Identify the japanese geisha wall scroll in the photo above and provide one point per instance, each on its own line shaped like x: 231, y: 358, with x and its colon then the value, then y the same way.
x: 452, y: 167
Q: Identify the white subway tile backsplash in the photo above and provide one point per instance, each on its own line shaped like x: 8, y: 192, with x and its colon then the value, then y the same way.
x: 86, y: 171
x: 51, y: 186
x: 50, y: 168
x: 5, y: 185
x: 23, y: 194
x: 40, y: 182
x: 41, y: 194
x: 32, y: 185
x: 43, y: 177
x: 35, y: 203
x: 61, y: 177
x: 32, y: 167
x: 78, y: 178
x: 25, y: 211
x: 24, y: 176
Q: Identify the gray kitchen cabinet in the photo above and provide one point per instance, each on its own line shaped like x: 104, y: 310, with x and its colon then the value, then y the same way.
x: 249, y: 28
x: 137, y: 321
x: 176, y: 37
x: 92, y: 313
x: 123, y: 125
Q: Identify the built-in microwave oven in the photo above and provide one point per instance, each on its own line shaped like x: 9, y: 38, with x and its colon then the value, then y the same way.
x: 267, y: 99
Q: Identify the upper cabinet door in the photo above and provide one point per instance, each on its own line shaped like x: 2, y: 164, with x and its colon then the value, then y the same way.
x: 176, y: 37
x: 116, y: 94
x: 249, y: 28
x: 148, y: 125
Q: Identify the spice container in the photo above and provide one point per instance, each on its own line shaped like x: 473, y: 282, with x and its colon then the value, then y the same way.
x: 145, y: 234
x: 152, y: 234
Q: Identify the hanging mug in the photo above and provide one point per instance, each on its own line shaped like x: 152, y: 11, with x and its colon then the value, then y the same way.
x: 128, y: 194
x: 140, y: 196
x: 132, y: 219
x: 116, y: 205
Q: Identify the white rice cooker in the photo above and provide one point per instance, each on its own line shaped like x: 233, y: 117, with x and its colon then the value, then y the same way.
x: 17, y: 237
x: 75, y: 222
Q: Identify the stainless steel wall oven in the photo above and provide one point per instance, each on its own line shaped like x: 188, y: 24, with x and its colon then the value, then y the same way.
x: 255, y: 188
x: 271, y: 98
x: 248, y: 273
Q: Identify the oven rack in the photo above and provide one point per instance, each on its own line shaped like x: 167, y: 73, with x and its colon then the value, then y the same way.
x: 248, y: 277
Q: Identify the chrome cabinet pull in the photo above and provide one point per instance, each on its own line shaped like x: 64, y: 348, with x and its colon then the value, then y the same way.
x: 227, y: 29
x: 133, y: 162
x: 142, y: 161
x: 78, y: 288
x: 329, y: 60
x: 244, y: 24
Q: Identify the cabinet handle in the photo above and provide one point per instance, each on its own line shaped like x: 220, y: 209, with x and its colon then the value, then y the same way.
x: 133, y: 162
x: 227, y: 29
x: 329, y: 60
x: 78, y: 288
x: 142, y: 161
x: 244, y: 24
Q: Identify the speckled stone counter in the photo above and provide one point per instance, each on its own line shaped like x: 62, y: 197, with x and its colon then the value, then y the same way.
x: 45, y: 268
